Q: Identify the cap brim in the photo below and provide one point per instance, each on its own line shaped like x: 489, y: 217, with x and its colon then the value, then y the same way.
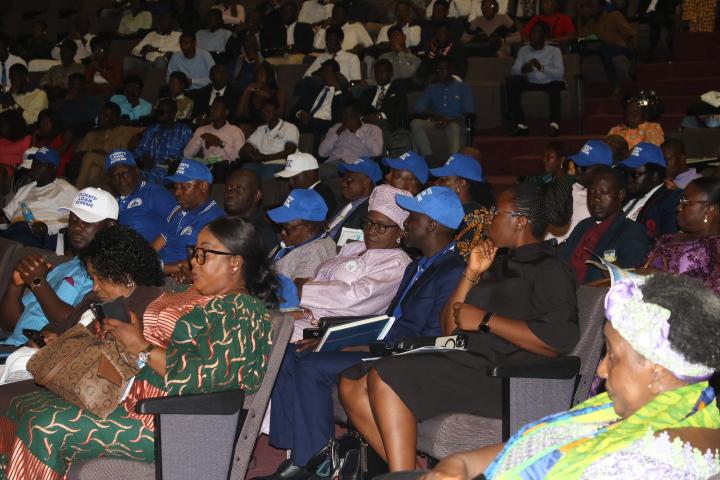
x: 180, y: 179
x: 287, y: 173
x: 583, y: 161
x: 83, y: 215
x: 408, y: 203
x: 447, y: 171
x: 630, y: 163
x: 282, y: 215
x: 398, y: 164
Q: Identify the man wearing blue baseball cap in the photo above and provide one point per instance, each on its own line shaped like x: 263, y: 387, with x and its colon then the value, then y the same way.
x: 463, y: 174
x: 144, y: 206
x: 358, y: 181
x: 195, y: 209
x: 593, y: 153
x: 408, y: 172
x: 304, y: 244
x: 651, y: 203
x: 39, y: 224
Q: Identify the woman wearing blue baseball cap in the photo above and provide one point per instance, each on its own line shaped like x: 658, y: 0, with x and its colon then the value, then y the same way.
x: 521, y: 304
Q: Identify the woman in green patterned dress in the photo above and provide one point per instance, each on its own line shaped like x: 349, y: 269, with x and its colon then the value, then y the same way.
x: 215, y: 336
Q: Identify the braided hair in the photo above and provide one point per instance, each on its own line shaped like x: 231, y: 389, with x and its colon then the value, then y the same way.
x: 544, y: 204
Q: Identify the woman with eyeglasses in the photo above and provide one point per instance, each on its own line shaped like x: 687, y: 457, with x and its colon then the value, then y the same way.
x: 213, y: 337
x: 695, y: 250
x: 520, y: 304
x: 364, y: 277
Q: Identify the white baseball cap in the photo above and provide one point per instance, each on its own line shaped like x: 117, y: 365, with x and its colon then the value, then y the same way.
x: 27, y: 157
x: 93, y: 205
x: 298, y: 163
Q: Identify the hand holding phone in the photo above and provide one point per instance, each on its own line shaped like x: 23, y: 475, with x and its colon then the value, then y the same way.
x: 116, y: 309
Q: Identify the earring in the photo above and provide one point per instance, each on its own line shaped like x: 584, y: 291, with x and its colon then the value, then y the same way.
x: 397, y: 240
x: 705, y: 220
x: 235, y: 269
x: 130, y: 284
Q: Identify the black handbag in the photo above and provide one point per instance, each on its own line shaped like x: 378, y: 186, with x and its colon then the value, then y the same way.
x: 345, y: 458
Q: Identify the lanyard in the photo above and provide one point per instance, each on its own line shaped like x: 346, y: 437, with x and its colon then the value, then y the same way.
x: 282, y: 251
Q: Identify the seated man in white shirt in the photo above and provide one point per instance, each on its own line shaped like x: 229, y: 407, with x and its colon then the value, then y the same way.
x: 404, y: 20
x: 351, y: 138
x: 268, y: 147
x: 40, y: 199
x: 23, y: 97
x: 155, y: 48
x: 349, y: 62
x: 356, y: 38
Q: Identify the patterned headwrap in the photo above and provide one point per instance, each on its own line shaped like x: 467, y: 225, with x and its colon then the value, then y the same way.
x: 382, y: 200
x: 645, y: 327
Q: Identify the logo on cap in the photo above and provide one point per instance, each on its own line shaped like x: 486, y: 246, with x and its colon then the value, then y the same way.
x: 586, y: 149
x: 288, y: 201
x: 404, y: 156
x: 117, y: 157
x: 636, y: 151
x: 289, y: 164
x: 422, y: 194
x: 42, y: 150
x: 85, y: 199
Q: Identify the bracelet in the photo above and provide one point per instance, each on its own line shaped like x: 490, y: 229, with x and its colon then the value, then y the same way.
x: 475, y: 281
x: 485, y: 323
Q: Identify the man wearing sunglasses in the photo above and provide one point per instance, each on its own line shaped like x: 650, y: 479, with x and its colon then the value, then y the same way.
x: 651, y: 203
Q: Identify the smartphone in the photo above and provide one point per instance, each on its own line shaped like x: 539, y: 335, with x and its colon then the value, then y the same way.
x: 116, y: 309
x: 34, y: 336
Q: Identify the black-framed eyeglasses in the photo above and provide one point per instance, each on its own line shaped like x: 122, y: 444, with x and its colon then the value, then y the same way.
x: 381, y: 228
x: 683, y: 201
x: 494, y: 211
x: 199, y: 253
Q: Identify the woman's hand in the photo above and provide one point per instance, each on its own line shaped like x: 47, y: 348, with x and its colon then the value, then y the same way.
x: 481, y: 257
x: 468, y: 317
x: 129, y: 334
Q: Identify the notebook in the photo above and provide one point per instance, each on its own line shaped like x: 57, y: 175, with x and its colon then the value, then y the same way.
x: 360, y: 332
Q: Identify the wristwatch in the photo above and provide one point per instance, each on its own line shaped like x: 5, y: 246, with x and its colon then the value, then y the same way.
x: 144, y: 356
x: 35, y: 282
x: 484, y: 324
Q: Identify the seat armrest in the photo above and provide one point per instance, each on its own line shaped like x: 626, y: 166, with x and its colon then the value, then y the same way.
x: 551, y: 368
x: 221, y: 403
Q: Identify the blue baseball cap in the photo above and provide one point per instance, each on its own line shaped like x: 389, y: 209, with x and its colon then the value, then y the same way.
x: 119, y: 157
x: 301, y: 204
x: 411, y: 162
x: 46, y: 155
x: 189, y: 170
x: 460, y: 165
x: 645, y: 153
x: 364, y: 165
x: 594, y: 152
x: 439, y: 203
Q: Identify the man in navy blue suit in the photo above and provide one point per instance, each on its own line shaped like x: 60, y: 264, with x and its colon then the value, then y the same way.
x: 301, y: 417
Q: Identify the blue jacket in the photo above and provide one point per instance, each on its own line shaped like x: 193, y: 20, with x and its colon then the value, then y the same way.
x: 659, y: 214
x: 627, y: 238
x: 422, y: 304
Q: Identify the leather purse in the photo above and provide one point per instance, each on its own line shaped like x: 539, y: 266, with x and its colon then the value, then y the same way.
x: 87, y: 372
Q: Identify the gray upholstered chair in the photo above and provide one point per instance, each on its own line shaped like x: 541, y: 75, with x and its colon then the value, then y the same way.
x: 198, y: 431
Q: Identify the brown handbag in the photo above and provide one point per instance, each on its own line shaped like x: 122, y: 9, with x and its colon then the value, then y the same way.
x: 87, y: 372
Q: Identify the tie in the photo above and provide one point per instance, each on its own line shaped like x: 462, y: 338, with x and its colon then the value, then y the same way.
x: 381, y: 97
x: 320, y: 101
x: 216, y: 94
x: 3, y: 76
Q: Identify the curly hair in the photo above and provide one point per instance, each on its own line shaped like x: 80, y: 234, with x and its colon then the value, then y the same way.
x: 543, y: 205
x: 695, y: 311
x: 121, y: 255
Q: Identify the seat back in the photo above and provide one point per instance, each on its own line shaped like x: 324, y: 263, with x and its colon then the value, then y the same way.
x: 8, y: 249
x: 591, y: 315
x: 257, y: 403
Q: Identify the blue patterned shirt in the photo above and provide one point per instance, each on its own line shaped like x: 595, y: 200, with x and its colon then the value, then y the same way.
x: 164, y: 144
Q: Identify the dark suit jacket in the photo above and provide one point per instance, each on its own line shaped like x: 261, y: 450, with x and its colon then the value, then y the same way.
x: 273, y: 38
x: 353, y: 219
x: 201, y: 97
x: 327, y: 194
x: 306, y: 103
x: 394, y: 106
x: 659, y: 214
x: 626, y: 237
x: 422, y: 305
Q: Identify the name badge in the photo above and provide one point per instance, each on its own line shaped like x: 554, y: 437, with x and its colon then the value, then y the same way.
x: 135, y: 202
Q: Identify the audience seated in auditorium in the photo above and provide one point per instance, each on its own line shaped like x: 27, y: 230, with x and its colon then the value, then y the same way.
x: 455, y: 8
x: 177, y: 84
x: 7, y: 60
x: 104, y: 74
x: 440, y: 15
x: 421, y: 294
x: 358, y: 181
x: 77, y: 109
x: 639, y: 123
x: 302, y: 171
x: 607, y: 35
x: 555, y: 163
x: 538, y: 66
x: 42, y: 197
x: 90, y: 153
x: 219, y: 87
x: 163, y: 142
x: 233, y: 13
x: 22, y: 96
x: 51, y: 133
x: 156, y: 48
x: 247, y: 63
x: 650, y: 422
x: 442, y: 46
x: 225, y: 308
x: 521, y: 304
x: 650, y: 202
x: 243, y: 198
x: 304, y: 246
x: 213, y: 38
x: 136, y: 20
x: 267, y: 149
x: 443, y: 104
x: 315, y: 12
x: 192, y: 61
x: 14, y: 140
x: 255, y: 95
x: 144, y: 206
x: 355, y: 37
x: 80, y: 34
x: 407, y: 172
x: 695, y: 250
x: 195, y: 208
x: 491, y: 34
x: 607, y: 233
x: 52, y: 293
x: 560, y: 25
x: 678, y: 172
x: 463, y: 174
x: 404, y: 62
x: 348, y: 62
x: 132, y: 106
x: 290, y: 36
x: 404, y: 21
x: 55, y: 80
x: 37, y: 46
x: 351, y: 138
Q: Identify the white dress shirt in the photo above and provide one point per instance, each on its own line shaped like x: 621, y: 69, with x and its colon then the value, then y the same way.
x: 11, y: 60
x: 227, y: 17
x: 83, y: 50
x: 632, y: 209
x: 270, y: 141
x: 216, y: 93
x: 169, y: 43
x: 324, y: 110
x: 349, y: 64
x: 412, y: 35
x: 355, y: 34
x: 313, y: 12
